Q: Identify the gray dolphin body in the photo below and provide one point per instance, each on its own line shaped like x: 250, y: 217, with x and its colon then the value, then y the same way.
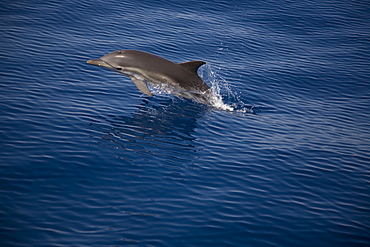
x: 144, y: 68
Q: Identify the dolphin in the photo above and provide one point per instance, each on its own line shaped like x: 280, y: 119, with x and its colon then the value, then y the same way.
x: 145, y: 68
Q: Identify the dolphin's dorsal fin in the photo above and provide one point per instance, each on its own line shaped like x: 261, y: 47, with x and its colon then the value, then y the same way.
x: 192, y: 66
x: 141, y: 85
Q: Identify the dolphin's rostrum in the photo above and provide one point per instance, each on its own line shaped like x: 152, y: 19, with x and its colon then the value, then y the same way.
x: 145, y: 68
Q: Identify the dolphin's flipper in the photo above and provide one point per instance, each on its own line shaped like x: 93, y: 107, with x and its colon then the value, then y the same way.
x: 192, y: 66
x: 141, y: 85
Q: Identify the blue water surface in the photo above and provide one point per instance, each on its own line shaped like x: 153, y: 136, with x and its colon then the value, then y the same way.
x: 87, y: 160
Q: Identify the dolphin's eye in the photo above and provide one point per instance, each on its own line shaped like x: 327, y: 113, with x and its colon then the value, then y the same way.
x: 119, y: 52
x: 118, y: 68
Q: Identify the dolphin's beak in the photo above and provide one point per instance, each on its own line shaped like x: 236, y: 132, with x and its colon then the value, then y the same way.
x: 101, y: 63
x: 97, y: 62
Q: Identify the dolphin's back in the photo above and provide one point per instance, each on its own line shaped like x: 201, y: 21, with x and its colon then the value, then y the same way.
x: 185, y: 74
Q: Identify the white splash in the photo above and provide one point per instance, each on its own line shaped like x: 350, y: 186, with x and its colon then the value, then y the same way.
x: 216, y: 99
x: 216, y: 82
x: 220, y: 90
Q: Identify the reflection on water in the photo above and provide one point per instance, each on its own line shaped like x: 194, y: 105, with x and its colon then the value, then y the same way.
x: 157, y: 130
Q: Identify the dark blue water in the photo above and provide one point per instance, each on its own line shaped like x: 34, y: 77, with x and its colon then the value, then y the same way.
x: 87, y: 160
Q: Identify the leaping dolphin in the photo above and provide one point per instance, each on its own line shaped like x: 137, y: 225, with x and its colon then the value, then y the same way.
x: 145, y: 68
